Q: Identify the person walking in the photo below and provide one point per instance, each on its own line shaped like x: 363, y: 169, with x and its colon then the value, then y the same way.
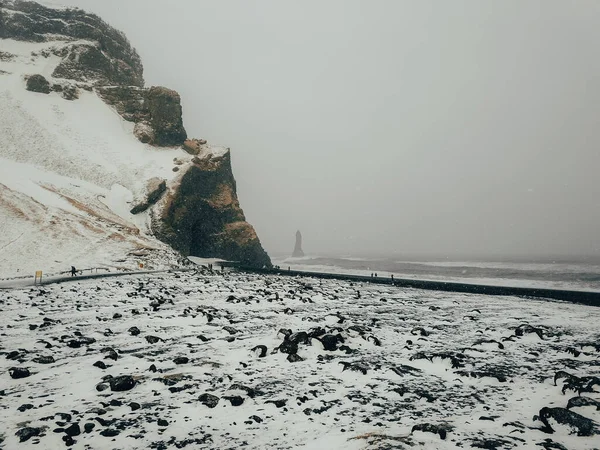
x: 73, y: 271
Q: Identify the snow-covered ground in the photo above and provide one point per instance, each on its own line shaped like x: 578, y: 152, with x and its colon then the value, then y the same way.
x: 377, y: 366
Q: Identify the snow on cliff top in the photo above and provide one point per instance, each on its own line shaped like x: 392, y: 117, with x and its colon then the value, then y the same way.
x: 69, y: 171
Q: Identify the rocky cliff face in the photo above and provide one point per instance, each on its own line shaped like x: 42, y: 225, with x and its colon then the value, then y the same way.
x: 196, y: 211
x: 203, y: 216
x: 155, y: 111
x: 106, y: 57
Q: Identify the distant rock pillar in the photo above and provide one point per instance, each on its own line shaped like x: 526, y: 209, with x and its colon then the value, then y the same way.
x: 298, y: 253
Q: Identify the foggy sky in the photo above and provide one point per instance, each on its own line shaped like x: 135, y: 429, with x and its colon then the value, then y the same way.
x: 442, y: 128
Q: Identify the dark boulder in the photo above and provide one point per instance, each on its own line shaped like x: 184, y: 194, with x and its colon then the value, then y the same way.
x: 134, y: 406
x: 329, y: 342
x: 260, y: 350
x: 102, y: 387
x: 209, y: 400
x: 441, y: 430
x: 294, y: 357
x: 235, y: 400
x: 100, y: 365
x: 583, y: 425
x: 181, y: 360
x: 38, y: 83
x: 583, y: 401
x: 288, y: 347
x: 24, y: 434
x: 18, y: 372
x: 152, y: 339
x: 110, y: 432
x: 44, y: 359
x: 122, y: 383
x: 300, y: 337
x: 73, y: 430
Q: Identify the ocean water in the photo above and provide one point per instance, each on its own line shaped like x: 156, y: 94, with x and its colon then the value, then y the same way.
x: 559, y: 275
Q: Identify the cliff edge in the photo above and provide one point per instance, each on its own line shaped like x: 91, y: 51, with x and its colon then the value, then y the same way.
x: 91, y: 141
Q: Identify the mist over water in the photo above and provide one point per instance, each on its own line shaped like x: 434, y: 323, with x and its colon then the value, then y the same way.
x: 578, y: 275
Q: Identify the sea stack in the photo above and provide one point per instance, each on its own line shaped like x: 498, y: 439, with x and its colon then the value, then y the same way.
x: 298, y: 253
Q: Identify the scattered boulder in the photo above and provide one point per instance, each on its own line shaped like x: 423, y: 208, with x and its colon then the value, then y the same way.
x: 38, y: 83
x: 278, y: 403
x: 260, y: 351
x: 100, y: 365
x: 73, y: 430
x: 355, y: 367
x: 122, y: 383
x: 526, y: 328
x: 134, y: 406
x: 441, y: 430
x: 24, y: 434
x: 110, y: 432
x: 209, y: 400
x: 181, y: 360
x: 288, y: 347
x: 235, y: 400
x: 294, y: 357
x: 152, y: 339
x: 329, y: 342
x: 44, y: 359
x: 583, y: 401
x: 583, y: 425
x: 18, y: 372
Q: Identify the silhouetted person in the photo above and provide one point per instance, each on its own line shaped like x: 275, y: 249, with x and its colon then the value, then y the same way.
x: 73, y: 271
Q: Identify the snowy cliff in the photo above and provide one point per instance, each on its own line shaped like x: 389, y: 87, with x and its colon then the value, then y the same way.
x: 93, y: 167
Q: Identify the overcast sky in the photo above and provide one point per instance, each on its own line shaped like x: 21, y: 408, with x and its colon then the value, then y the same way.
x: 410, y: 127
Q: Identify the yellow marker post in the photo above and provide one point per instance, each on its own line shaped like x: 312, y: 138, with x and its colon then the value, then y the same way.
x: 38, y: 274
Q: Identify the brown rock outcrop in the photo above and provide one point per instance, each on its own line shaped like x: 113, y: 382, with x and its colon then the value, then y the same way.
x: 157, y: 109
x: 202, y: 217
x: 164, y: 107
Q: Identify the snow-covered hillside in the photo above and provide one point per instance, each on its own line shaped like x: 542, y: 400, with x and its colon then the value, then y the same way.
x: 69, y: 171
